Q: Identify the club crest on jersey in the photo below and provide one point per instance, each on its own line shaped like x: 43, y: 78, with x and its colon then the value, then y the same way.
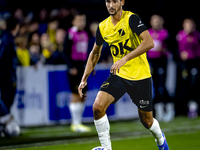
x: 121, y: 32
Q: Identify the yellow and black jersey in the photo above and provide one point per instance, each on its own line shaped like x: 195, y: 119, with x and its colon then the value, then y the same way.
x: 122, y: 39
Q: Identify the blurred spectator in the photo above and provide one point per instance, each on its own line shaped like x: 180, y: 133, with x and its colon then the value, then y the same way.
x: 2, y: 25
x: 29, y: 17
x: 5, y: 15
x: 76, y: 46
x: 54, y: 13
x: 158, y: 61
x: 23, y: 30
x: 43, y: 19
x: 93, y: 28
x: 64, y: 18
x: 52, y: 27
x: 58, y: 57
x: 34, y: 53
x: 19, y: 15
x: 188, y: 69
x: 60, y: 38
x: 44, y: 39
x: 8, y: 64
x: 35, y: 38
x: 48, y: 48
x: 33, y: 27
x: 22, y: 51
x: 105, y: 52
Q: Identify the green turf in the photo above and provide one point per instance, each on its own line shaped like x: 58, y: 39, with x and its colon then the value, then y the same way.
x: 176, y: 142
x: 182, y: 134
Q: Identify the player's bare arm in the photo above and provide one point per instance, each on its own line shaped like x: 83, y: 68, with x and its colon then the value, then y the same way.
x: 92, y: 61
x: 147, y: 44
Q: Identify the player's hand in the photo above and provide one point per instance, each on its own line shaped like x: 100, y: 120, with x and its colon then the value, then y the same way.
x: 80, y: 88
x: 184, y: 55
x: 116, y: 66
x: 73, y: 71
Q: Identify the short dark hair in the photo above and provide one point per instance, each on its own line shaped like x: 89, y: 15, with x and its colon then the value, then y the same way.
x: 11, y: 23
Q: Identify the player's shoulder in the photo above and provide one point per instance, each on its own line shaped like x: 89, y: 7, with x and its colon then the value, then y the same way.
x: 134, y: 19
x: 128, y: 13
x: 134, y: 16
x: 105, y: 22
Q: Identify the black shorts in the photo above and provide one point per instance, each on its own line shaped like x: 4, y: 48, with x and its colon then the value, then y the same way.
x: 139, y: 91
x: 74, y: 80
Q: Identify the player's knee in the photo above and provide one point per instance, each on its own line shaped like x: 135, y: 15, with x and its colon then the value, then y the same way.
x: 147, y: 123
x: 97, y: 109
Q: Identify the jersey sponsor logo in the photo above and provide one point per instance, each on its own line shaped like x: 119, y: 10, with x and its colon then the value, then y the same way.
x: 120, y: 50
x: 121, y: 32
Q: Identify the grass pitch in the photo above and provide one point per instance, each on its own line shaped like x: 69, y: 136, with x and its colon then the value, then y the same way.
x: 181, y: 134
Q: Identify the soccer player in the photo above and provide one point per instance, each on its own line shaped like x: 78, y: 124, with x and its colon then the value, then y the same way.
x: 76, y: 46
x: 157, y: 57
x: 189, y: 53
x: 129, y: 40
x: 8, y: 65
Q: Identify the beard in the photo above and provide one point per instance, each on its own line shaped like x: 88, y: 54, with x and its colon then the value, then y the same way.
x: 113, y: 12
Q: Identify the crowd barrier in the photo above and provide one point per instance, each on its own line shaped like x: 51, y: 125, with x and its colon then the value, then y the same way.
x: 43, y: 96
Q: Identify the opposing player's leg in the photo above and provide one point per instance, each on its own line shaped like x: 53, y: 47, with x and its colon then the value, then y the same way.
x: 8, y: 126
x: 76, y: 105
x: 102, y: 101
x: 146, y: 118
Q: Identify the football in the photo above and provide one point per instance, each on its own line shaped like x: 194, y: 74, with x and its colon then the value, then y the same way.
x: 99, y: 148
x: 12, y: 129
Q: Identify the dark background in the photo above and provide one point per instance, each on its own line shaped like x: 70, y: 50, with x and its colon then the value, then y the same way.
x: 173, y: 11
